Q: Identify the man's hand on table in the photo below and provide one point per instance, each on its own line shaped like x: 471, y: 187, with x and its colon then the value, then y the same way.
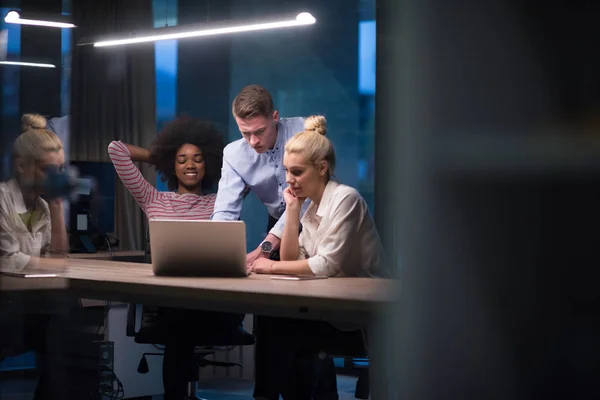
x: 258, y: 253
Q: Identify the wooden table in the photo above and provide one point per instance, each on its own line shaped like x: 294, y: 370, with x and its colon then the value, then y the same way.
x: 334, y: 299
x: 106, y: 254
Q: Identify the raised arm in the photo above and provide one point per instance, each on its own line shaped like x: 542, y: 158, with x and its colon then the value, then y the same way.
x: 122, y: 156
x: 230, y: 196
x: 276, y: 234
x: 293, y: 257
x: 278, y: 228
x: 290, y: 248
x: 59, y: 242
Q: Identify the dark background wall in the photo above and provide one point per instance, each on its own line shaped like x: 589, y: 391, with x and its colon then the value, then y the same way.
x: 29, y: 89
x: 40, y: 88
x: 204, y: 65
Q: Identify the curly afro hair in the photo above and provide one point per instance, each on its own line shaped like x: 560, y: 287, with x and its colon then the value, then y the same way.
x: 186, y: 130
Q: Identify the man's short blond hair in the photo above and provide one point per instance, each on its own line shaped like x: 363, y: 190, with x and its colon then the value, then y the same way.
x: 252, y: 101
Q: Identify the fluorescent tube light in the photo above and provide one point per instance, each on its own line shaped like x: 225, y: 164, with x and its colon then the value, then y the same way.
x: 13, y: 17
x: 27, y: 64
x: 300, y: 20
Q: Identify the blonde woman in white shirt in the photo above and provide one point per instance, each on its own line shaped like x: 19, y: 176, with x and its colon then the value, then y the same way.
x: 31, y: 227
x: 338, y: 235
x: 338, y: 238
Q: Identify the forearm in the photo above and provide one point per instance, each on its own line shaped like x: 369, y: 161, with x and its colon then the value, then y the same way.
x: 225, y: 215
x: 138, y: 153
x: 52, y: 263
x: 277, y: 230
x: 296, y: 267
x: 274, y: 240
x: 228, y: 204
x: 59, y: 241
x: 12, y: 262
x: 289, y: 249
x: 280, y: 225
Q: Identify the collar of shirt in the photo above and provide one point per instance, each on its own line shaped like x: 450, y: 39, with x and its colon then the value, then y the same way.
x: 21, y: 208
x: 17, y: 196
x: 317, y: 213
x: 277, y: 150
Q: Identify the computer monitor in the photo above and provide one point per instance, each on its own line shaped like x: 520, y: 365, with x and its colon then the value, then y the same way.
x: 94, y: 212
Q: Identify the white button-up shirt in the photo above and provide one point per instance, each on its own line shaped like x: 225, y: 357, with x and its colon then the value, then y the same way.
x: 339, y: 237
x: 17, y: 243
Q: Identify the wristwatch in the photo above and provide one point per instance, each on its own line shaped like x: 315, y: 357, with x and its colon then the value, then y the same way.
x: 266, y: 247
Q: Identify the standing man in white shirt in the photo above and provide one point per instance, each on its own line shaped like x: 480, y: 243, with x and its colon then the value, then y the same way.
x: 255, y: 162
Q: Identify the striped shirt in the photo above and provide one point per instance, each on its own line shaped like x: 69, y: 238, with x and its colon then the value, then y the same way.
x: 154, y: 203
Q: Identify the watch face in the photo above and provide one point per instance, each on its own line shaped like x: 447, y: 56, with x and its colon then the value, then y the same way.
x: 266, y: 247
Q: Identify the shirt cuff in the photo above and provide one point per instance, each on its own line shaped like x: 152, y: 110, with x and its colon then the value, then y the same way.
x: 22, y: 260
x: 15, y: 262
x: 318, y: 265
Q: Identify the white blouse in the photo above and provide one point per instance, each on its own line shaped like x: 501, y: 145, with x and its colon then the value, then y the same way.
x: 339, y: 237
x: 17, y: 243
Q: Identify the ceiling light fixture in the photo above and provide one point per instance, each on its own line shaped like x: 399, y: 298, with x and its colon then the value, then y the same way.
x: 183, y: 32
x: 27, y: 64
x: 14, y: 17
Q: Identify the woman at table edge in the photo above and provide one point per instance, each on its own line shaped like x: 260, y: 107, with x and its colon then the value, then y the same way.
x: 31, y: 227
x: 338, y: 237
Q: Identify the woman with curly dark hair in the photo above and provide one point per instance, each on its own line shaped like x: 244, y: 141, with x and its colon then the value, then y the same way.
x: 188, y: 154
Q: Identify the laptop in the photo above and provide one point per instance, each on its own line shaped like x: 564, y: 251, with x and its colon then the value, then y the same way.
x: 198, y: 248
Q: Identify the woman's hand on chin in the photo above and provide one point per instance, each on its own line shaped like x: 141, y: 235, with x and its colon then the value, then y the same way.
x: 292, y: 202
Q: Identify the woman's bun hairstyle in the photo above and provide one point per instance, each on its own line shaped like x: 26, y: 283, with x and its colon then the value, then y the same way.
x: 32, y: 121
x: 316, y: 123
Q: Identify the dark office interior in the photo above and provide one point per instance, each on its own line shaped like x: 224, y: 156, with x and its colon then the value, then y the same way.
x: 471, y: 130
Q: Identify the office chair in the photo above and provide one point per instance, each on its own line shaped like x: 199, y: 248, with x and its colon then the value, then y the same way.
x: 205, y: 346
x: 352, y: 347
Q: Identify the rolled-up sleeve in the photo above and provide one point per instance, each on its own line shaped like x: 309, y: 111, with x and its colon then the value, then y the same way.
x: 335, y: 243
x: 303, y: 255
